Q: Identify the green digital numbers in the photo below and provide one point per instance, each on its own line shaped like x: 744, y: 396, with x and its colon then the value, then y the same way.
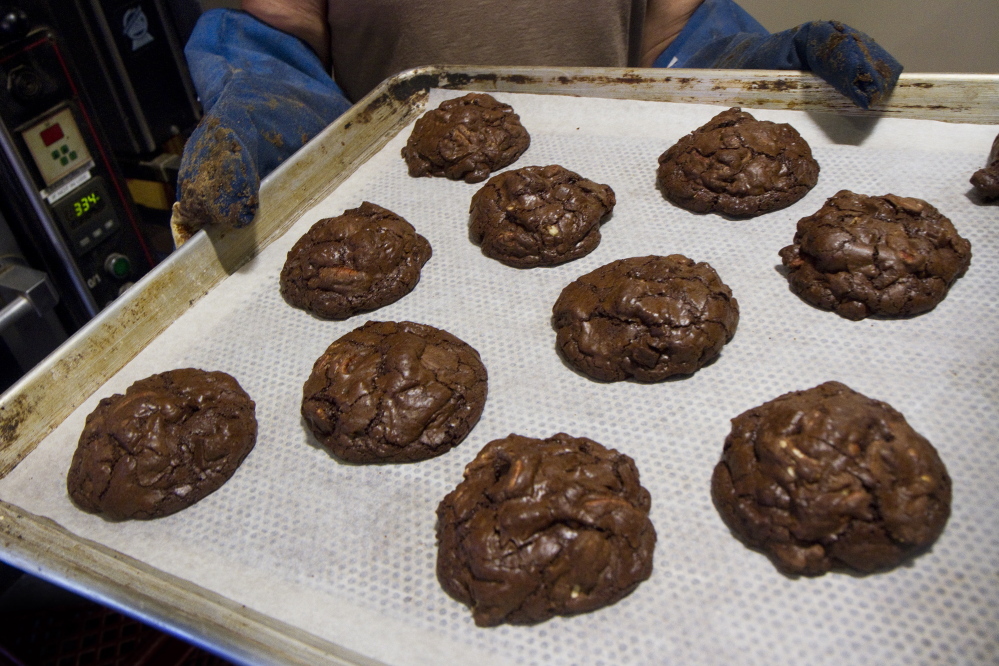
x: 83, y: 205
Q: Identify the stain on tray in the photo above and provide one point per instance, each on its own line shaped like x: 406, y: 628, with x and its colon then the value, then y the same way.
x: 403, y: 89
x: 13, y: 416
x: 779, y: 85
x: 624, y: 79
x: 520, y: 79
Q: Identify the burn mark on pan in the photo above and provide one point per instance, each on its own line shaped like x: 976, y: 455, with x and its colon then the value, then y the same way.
x: 12, y: 417
x: 779, y: 85
x: 398, y: 93
x: 405, y: 90
x: 460, y: 80
x: 457, y: 80
x: 402, y: 90
x: 627, y: 79
x: 937, y: 107
x: 520, y: 79
x: 631, y: 79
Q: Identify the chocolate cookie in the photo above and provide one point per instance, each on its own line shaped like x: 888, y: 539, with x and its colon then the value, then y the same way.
x: 827, y: 479
x: 645, y: 318
x: 540, y: 528
x: 171, y: 440
x: 466, y: 138
x: 888, y: 256
x: 539, y: 216
x: 986, y: 180
x: 738, y: 166
x: 359, y: 261
x: 394, y: 392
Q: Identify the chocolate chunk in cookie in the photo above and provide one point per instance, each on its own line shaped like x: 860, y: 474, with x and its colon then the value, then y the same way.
x: 466, y: 138
x: 356, y: 262
x: 738, y: 166
x: 830, y: 479
x: 394, y: 392
x: 645, y: 318
x: 171, y: 440
x: 986, y: 179
x: 885, y: 256
x: 540, y: 528
x: 539, y: 216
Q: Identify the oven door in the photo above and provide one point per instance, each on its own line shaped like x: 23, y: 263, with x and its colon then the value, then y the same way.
x: 29, y: 327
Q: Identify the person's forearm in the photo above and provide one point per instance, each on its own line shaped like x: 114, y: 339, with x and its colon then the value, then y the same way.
x: 664, y: 19
x: 305, y: 19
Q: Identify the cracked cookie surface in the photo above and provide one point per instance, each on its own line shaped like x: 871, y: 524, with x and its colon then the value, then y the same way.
x: 356, y: 262
x: 540, y: 528
x: 986, y: 179
x: 828, y: 479
x: 738, y: 166
x: 539, y: 216
x: 170, y: 440
x: 465, y: 138
x: 862, y: 256
x: 394, y: 392
x: 645, y: 318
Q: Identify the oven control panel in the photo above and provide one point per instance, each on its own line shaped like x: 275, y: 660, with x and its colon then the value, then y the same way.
x: 97, y: 239
x: 86, y: 215
x: 62, y: 196
x: 57, y: 146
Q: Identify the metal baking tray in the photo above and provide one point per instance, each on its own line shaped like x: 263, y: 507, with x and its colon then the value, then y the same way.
x: 40, y: 401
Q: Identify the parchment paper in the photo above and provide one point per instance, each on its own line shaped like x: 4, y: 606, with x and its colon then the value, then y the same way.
x: 347, y: 552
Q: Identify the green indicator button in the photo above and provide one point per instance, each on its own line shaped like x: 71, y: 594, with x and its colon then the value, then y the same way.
x: 64, y: 161
x: 72, y: 155
x: 118, y: 265
x: 64, y: 149
x: 55, y: 154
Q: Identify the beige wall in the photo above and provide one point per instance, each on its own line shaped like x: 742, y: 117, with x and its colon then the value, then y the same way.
x: 924, y: 35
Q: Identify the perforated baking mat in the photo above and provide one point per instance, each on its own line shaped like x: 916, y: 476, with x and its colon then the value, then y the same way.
x: 347, y: 552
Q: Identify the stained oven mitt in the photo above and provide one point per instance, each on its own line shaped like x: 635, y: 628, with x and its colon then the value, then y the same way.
x: 265, y: 94
x: 721, y: 35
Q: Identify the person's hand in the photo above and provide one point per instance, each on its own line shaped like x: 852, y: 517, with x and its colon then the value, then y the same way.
x: 265, y: 94
x: 721, y: 35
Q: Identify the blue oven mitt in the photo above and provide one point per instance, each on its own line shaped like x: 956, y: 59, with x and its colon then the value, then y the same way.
x: 721, y: 35
x: 265, y: 93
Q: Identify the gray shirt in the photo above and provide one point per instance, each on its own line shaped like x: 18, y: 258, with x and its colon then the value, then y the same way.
x: 379, y: 38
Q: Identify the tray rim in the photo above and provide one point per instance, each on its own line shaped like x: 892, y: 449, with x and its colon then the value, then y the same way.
x: 31, y: 408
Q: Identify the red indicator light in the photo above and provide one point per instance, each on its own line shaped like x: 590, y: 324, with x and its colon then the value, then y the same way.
x: 52, y: 134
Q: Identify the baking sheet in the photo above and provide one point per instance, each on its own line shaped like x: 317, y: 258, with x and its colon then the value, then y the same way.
x: 347, y: 552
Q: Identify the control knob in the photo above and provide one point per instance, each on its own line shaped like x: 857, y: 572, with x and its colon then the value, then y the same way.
x: 25, y: 83
x: 118, y: 265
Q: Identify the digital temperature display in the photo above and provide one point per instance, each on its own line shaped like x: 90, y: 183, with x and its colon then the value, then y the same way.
x: 83, y: 208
